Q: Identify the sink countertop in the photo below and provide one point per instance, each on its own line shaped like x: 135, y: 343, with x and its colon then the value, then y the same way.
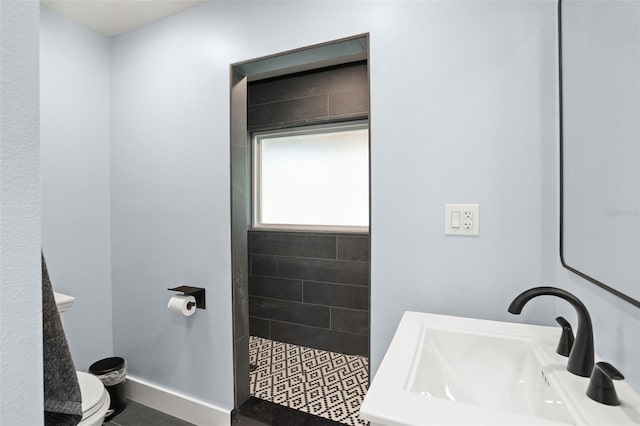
x: 389, y: 400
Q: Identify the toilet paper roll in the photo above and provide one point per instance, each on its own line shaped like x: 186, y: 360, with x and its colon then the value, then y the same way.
x: 183, y: 305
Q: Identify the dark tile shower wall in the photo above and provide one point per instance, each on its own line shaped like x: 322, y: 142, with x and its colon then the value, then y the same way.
x: 240, y: 220
x: 331, y: 94
x: 310, y: 289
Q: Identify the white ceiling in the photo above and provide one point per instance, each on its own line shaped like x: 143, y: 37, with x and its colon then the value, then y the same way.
x: 113, y: 17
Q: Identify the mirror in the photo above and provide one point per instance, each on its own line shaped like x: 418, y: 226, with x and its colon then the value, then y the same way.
x: 600, y: 143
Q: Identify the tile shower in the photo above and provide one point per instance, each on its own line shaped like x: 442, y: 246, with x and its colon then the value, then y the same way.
x: 308, y: 292
x: 310, y: 289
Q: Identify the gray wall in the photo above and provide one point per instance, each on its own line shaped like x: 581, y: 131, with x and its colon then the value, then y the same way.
x: 21, y: 400
x: 170, y: 203
x: 481, y: 128
x: 468, y: 115
x: 471, y: 119
x: 310, y: 289
x: 75, y: 113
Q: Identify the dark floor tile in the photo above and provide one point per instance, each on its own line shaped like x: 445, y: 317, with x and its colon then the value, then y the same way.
x: 340, y: 295
x: 319, y: 338
x: 293, y: 244
x: 350, y: 320
x: 353, y: 247
x: 282, y: 310
x: 140, y: 415
x: 334, y: 271
x: 275, y: 288
x: 240, y: 420
x: 268, y: 413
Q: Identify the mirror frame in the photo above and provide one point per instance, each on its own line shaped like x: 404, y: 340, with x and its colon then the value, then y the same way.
x: 562, y: 158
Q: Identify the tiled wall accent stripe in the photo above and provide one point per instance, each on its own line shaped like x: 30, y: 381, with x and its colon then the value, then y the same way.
x: 350, y: 320
x: 341, y: 78
x: 275, y: 288
x: 353, y: 248
x: 340, y: 295
x: 294, y: 244
x: 320, y: 338
x: 295, y: 312
x: 327, y: 270
x: 330, y: 94
x: 310, y: 289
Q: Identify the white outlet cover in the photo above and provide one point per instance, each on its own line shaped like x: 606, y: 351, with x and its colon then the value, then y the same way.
x: 460, y: 209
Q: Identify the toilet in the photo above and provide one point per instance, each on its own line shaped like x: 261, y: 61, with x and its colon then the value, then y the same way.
x: 95, y: 398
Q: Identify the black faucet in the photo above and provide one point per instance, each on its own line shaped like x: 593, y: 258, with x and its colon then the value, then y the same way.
x: 581, y: 356
x: 566, y: 339
x: 601, y: 386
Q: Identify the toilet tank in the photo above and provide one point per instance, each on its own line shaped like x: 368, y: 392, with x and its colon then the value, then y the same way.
x: 63, y: 302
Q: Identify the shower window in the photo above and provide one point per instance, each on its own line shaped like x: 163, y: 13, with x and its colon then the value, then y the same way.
x: 312, y: 178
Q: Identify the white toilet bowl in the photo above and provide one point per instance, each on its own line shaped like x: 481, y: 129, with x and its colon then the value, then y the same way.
x: 95, y: 400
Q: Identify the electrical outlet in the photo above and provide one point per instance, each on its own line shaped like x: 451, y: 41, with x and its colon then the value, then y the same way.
x: 462, y: 219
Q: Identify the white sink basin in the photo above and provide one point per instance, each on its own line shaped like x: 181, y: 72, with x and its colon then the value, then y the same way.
x: 451, y: 370
x: 493, y: 371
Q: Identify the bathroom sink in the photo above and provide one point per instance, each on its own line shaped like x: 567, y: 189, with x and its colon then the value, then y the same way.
x: 493, y: 371
x: 452, y: 370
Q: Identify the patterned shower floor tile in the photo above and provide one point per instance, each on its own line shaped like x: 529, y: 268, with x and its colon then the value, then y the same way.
x: 325, y: 384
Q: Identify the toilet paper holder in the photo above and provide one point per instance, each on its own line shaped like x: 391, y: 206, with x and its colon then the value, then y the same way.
x: 197, y: 292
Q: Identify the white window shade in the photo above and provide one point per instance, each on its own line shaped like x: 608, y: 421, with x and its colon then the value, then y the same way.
x: 311, y: 178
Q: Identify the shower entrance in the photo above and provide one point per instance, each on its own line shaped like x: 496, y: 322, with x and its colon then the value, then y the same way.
x: 300, y: 232
x: 327, y: 384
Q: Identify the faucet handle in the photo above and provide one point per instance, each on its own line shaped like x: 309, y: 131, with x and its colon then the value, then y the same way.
x: 566, y: 339
x: 601, y: 388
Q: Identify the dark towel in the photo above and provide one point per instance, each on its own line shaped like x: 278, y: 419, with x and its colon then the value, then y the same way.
x: 62, y: 398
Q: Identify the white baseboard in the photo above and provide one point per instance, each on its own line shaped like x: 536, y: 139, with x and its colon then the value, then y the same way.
x: 175, y: 404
